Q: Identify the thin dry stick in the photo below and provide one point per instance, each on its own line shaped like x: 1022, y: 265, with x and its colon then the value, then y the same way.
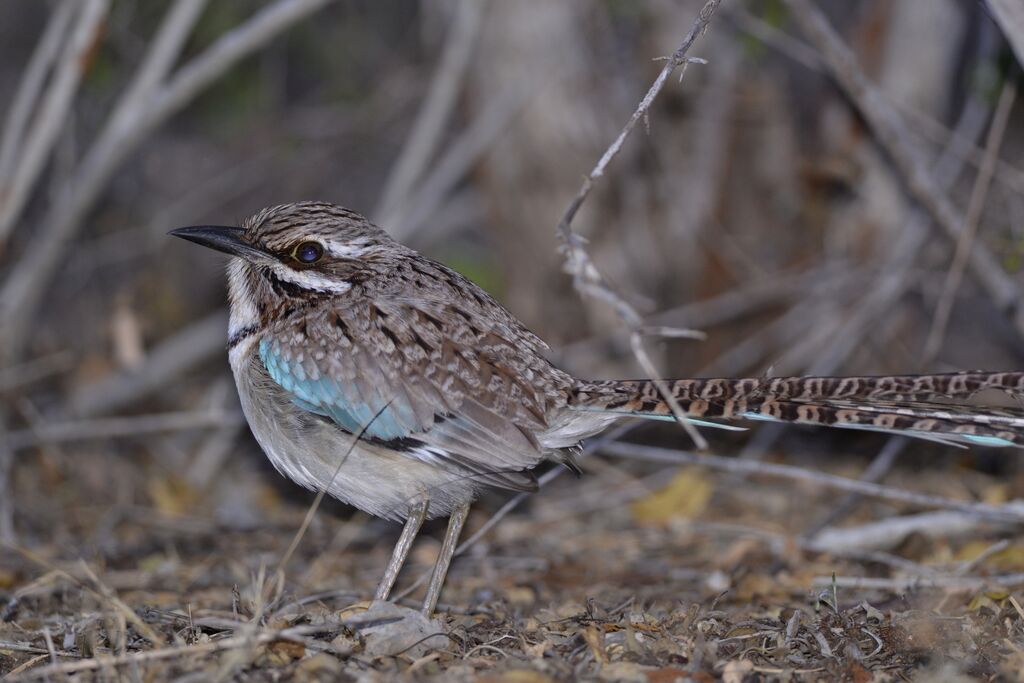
x: 120, y: 607
x: 194, y: 650
x: 891, y: 132
x: 315, y: 505
x: 100, y: 591
x: 587, y: 278
x: 783, y: 540
x: 975, y: 206
x: 459, y: 158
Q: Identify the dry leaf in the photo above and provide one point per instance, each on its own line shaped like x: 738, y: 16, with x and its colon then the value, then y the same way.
x: 686, y: 496
x: 282, y: 652
x: 172, y: 496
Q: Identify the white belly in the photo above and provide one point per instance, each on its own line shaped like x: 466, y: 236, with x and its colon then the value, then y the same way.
x: 316, y: 454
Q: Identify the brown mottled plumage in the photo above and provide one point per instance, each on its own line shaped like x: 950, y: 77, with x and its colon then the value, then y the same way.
x: 338, y: 330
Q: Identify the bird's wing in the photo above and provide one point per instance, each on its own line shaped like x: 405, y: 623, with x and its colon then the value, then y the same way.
x: 452, y: 383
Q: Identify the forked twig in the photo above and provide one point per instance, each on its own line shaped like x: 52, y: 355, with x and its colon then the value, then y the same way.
x: 587, y: 278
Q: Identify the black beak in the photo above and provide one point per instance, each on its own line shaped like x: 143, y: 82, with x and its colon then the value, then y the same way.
x: 222, y: 238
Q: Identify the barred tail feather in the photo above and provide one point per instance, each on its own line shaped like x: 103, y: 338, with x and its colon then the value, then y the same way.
x: 924, y: 406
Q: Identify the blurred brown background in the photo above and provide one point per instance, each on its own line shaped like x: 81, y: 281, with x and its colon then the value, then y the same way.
x: 759, y: 206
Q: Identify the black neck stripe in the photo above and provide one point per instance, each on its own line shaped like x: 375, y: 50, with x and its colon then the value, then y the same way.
x: 242, y: 334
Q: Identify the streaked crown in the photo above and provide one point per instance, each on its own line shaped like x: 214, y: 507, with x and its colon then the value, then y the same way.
x: 296, y: 251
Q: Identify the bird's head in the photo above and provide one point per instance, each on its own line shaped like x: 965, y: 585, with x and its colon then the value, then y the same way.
x: 294, y: 251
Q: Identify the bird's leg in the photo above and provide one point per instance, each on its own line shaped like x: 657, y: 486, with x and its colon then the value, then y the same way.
x: 417, y: 514
x: 444, y: 559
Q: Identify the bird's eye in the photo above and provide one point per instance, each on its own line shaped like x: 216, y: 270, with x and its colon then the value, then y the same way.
x: 308, y: 252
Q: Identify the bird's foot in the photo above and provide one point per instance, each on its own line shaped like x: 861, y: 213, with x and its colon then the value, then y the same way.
x: 388, y: 629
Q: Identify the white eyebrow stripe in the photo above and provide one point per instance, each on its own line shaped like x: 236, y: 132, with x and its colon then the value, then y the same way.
x: 310, y: 279
x: 344, y: 249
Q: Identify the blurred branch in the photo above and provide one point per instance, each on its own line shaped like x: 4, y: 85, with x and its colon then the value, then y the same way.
x: 31, y: 84
x: 878, y: 468
x: 1013, y: 513
x: 914, y: 583
x: 85, y: 430
x: 890, y: 532
x: 975, y: 206
x: 458, y: 160
x: 922, y: 123
x: 1009, y: 14
x: 175, y: 355
x: 19, y: 173
x: 17, y: 376
x: 149, y: 101
x: 894, y: 138
x: 6, y: 489
x: 427, y: 130
x: 895, y: 276
x: 209, y: 457
x: 587, y: 279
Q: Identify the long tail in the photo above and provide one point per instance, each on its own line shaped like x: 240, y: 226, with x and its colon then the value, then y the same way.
x: 933, y: 407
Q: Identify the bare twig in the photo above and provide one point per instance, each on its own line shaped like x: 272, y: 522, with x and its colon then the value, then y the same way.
x: 118, y: 605
x: 780, y: 541
x: 970, y: 565
x: 210, y: 455
x: 975, y: 206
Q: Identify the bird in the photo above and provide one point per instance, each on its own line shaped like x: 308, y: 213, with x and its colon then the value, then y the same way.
x: 397, y: 385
